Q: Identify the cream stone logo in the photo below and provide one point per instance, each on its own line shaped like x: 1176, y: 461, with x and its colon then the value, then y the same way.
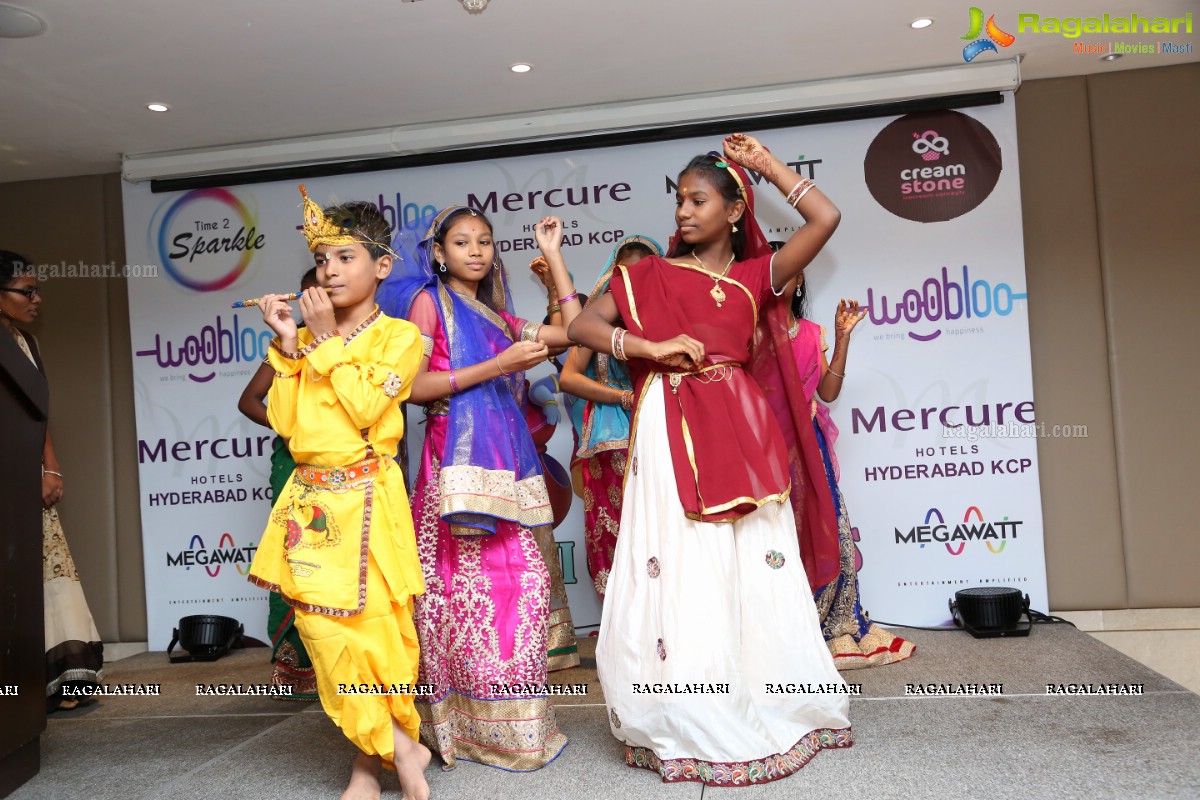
x: 933, y: 166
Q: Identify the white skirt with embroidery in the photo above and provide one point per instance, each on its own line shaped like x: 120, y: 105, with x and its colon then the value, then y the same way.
x: 710, y: 652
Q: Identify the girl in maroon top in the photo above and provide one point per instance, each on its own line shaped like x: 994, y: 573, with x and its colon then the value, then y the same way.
x: 709, y: 594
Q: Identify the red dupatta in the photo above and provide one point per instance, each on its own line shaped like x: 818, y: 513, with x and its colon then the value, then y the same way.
x: 719, y: 468
x: 726, y: 462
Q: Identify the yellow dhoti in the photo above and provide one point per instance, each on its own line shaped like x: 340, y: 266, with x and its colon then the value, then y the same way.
x: 342, y: 558
x: 357, y: 657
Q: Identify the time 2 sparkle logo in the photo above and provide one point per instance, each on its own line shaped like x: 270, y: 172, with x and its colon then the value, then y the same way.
x: 995, y: 36
x: 205, y: 239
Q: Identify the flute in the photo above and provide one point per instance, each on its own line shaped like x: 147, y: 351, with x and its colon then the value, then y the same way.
x: 253, y: 301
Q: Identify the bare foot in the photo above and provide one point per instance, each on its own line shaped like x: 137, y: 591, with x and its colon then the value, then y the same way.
x: 410, y: 759
x: 364, y: 779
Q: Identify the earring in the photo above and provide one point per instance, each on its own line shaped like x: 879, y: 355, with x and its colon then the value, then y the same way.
x: 734, y: 228
x: 799, y: 289
x: 442, y: 267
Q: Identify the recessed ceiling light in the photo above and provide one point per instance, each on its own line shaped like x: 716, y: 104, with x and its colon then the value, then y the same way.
x: 1111, y: 57
x: 923, y: 22
x: 17, y: 23
x: 158, y: 107
x: 521, y: 67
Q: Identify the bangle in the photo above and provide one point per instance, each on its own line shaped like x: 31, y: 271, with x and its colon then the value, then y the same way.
x: 453, y: 383
x: 553, y: 308
x: 798, y: 191
x: 569, y: 298
x: 59, y: 475
x: 627, y: 400
x: 502, y: 372
x: 796, y: 203
x: 836, y: 374
x: 618, y: 344
x: 795, y: 188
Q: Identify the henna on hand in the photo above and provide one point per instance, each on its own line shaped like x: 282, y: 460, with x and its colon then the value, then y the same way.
x: 749, y: 153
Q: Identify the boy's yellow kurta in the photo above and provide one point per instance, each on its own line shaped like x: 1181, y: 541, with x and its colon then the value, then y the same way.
x: 340, y: 546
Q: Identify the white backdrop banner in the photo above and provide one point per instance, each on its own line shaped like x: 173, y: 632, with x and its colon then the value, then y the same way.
x: 938, y: 449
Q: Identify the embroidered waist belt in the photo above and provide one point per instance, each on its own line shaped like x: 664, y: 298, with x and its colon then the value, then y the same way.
x: 354, y: 476
x: 710, y: 374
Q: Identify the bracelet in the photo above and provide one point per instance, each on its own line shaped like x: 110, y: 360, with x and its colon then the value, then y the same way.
x: 796, y: 204
x: 618, y: 343
x: 454, y: 383
x: 795, y: 188
x: 553, y: 308
x: 502, y: 372
x: 837, y: 374
x: 627, y: 400
x: 59, y: 475
x: 569, y: 298
x: 798, y: 191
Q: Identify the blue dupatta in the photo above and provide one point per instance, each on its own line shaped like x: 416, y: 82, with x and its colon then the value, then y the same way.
x: 490, y: 469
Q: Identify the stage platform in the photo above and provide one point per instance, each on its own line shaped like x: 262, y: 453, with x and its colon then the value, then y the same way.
x: 1021, y: 744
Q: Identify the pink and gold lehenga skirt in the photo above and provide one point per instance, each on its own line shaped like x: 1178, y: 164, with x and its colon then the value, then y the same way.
x: 484, y: 627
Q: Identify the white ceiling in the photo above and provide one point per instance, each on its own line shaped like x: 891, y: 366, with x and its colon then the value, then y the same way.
x: 73, y: 100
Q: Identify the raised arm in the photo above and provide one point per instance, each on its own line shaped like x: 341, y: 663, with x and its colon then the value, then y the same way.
x: 549, y: 234
x: 284, y: 395
x: 832, y: 372
x: 821, y: 216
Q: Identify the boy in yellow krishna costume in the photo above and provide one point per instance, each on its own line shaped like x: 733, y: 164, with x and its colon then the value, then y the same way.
x: 339, y: 546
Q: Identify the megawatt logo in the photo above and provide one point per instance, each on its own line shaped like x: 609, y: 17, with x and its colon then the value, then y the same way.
x: 995, y: 36
x: 932, y: 166
x: 226, y: 552
x: 205, y: 239
x: 955, y: 536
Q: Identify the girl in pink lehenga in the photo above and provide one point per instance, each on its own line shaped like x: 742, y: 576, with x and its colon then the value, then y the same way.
x: 488, y: 616
x: 853, y: 639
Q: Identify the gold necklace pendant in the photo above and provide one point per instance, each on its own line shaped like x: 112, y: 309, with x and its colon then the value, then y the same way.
x: 716, y: 292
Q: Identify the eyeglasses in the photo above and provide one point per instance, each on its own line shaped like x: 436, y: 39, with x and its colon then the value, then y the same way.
x: 30, y: 292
